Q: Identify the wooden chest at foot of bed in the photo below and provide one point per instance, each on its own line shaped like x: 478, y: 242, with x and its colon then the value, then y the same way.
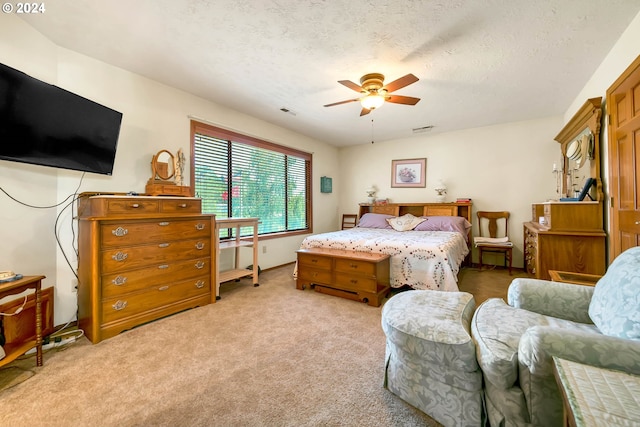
x: 360, y: 276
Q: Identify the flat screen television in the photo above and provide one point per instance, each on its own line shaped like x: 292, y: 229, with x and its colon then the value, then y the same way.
x: 46, y: 125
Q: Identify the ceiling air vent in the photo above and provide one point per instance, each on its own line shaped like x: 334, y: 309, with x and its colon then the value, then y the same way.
x: 423, y: 129
x: 286, y: 110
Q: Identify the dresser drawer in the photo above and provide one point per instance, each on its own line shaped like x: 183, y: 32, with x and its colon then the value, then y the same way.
x: 162, y: 230
x: 123, y: 259
x: 171, y: 206
x: 315, y: 261
x: 356, y: 283
x: 132, y: 206
x: 134, y: 280
x: 315, y: 276
x: 153, y: 297
x: 355, y: 267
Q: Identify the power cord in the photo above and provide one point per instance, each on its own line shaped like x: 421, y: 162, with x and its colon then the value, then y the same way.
x: 18, y: 310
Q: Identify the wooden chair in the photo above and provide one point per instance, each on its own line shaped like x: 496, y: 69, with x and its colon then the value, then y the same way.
x: 491, y: 222
x: 349, y: 221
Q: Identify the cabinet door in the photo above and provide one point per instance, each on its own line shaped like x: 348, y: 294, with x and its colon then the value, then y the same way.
x: 440, y: 210
x: 386, y: 209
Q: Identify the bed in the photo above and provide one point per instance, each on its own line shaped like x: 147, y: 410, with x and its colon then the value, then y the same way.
x: 426, y: 252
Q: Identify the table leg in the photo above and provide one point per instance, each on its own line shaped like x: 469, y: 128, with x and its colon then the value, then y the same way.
x: 38, y: 324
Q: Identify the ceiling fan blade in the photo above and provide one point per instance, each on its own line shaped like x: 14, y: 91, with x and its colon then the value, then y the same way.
x: 401, y: 82
x: 343, y: 102
x: 399, y: 99
x: 364, y: 112
x: 351, y: 85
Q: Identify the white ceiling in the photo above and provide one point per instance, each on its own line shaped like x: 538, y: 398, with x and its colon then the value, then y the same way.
x: 480, y: 62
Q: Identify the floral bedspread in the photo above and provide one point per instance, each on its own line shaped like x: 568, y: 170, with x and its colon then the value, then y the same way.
x: 420, y: 259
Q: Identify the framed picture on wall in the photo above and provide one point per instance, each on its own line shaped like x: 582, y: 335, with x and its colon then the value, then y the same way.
x: 409, y: 173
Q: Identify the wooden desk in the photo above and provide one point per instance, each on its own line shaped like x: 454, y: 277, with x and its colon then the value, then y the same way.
x: 597, y: 397
x: 13, y: 350
x: 575, y: 278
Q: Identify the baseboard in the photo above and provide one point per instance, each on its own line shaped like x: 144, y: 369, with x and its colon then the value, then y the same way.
x: 22, y: 327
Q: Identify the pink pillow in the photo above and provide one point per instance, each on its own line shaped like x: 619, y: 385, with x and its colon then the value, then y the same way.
x: 373, y: 220
x: 445, y: 223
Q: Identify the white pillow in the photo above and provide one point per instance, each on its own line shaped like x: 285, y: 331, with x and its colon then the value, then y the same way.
x: 405, y: 222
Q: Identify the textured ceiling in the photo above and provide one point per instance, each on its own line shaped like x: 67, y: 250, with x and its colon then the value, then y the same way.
x: 480, y: 62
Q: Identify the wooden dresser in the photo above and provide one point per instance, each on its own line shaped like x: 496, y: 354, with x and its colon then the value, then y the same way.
x: 361, y: 276
x: 571, y: 239
x: 141, y: 258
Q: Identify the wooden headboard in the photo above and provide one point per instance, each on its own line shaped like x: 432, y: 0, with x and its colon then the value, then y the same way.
x: 419, y: 209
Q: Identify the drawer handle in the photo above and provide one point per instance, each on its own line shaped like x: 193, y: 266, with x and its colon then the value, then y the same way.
x: 200, y: 226
x: 163, y: 223
x: 314, y: 260
x: 135, y: 205
x: 119, y: 232
x: 199, y: 245
x: 199, y: 265
x: 163, y: 245
x: 163, y: 288
x: 200, y: 284
x: 120, y: 256
x: 119, y: 305
x: 182, y: 205
x: 119, y: 281
x: 163, y: 266
x: 353, y: 265
x: 353, y: 281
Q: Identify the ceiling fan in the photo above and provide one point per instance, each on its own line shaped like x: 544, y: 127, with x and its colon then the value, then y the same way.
x: 374, y: 94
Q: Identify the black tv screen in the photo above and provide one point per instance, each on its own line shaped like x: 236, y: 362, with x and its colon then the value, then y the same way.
x: 45, y: 125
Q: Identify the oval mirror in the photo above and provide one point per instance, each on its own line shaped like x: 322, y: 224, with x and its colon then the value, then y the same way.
x: 163, y: 165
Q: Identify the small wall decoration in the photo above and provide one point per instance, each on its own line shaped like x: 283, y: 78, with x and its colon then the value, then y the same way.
x: 408, y: 173
x: 326, y: 184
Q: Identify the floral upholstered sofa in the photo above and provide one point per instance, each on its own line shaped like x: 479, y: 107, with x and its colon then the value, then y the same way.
x: 515, y: 342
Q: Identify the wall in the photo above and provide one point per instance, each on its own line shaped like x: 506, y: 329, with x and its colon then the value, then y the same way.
x: 155, y: 117
x: 502, y: 167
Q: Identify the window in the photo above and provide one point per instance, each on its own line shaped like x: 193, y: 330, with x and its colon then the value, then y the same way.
x: 241, y: 176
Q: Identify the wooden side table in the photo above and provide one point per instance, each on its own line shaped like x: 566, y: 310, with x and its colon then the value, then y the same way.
x: 236, y: 243
x: 595, y: 397
x: 13, y: 350
x: 574, y: 278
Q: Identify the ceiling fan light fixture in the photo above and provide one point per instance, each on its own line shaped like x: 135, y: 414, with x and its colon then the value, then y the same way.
x: 373, y: 101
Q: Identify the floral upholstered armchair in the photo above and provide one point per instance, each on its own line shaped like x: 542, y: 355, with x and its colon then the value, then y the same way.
x: 515, y: 342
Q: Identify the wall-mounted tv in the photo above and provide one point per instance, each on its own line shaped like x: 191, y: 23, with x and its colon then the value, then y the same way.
x: 46, y: 125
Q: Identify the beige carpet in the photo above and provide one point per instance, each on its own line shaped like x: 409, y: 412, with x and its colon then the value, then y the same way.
x: 265, y: 356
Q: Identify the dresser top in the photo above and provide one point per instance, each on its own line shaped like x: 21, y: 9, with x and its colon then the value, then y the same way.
x: 131, y: 196
x: 113, y: 205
